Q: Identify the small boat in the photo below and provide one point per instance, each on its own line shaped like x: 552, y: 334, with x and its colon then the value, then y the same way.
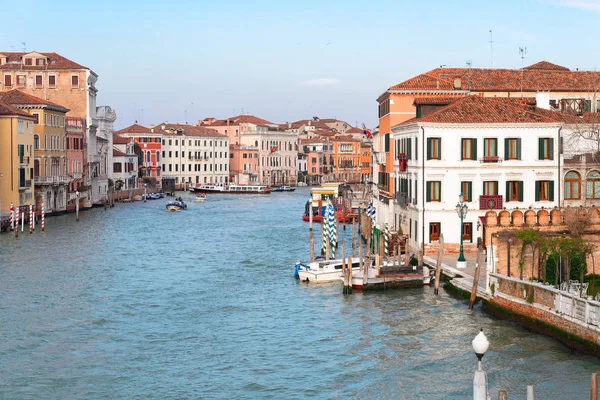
x: 339, y: 215
x: 283, y: 189
x: 176, y: 205
x: 322, y: 271
x: 154, y: 196
x: 201, y: 198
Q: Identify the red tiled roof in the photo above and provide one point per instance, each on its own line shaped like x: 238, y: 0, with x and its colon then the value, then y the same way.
x: 18, y: 98
x: 354, y: 130
x: 481, y: 79
x: 118, y: 139
x: 547, y: 66
x: 118, y: 153
x: 437, y: 100
x: 481, y: 110
x: 7, y: 109
x: 101, y: 139
x: 135, y: 128
x: 189, y: 130
x: 323, y: 132
x: 241, y: 119
x: 313, y: 140
x: 54, y: 61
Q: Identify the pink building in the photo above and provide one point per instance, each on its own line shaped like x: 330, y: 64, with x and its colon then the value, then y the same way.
x: 76, y: 156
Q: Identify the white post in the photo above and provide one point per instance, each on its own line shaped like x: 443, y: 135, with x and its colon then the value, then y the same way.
x: 22, y: 221
x: 530, y: 392
x: 480, y: 384
x: 77, y: 206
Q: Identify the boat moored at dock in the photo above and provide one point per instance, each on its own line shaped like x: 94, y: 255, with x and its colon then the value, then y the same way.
x: 323, y: 271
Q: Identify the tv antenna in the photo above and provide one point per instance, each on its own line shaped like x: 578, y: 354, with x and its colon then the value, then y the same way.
x: 523, y: 53
x: 491, y: 42
x: 24, y: 46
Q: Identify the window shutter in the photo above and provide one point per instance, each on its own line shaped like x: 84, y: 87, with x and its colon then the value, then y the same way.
x: 518, y: 149
x: 416, y: 192
x: 428, y: 190
x: 551, y: 190
x: 439, y: 148
x: 551, y: 149
x: 520, y: 190
x: 474, y: 150
x: 538, y: 186
x: 470, y: 186
x: 505, y: 149
x: 429, y: 148
x: 507, y: 191
x: 540, y: 149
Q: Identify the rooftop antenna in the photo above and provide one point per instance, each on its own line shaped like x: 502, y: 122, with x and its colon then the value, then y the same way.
x: 185, y: 112
x: 523, y: 53
x: 469, y: 65
x: 24, y: 46
x: 491, y: 41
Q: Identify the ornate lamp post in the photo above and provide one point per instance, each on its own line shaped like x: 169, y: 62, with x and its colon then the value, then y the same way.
x: 461, y: 210
x: 480, y: 346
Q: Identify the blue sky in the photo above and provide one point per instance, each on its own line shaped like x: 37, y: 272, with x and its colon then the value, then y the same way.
x: 287, y: 60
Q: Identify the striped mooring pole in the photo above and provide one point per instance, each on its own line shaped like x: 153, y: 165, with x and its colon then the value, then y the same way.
x: 30, y: 219
x: 12, y: 216
x: 386, y: 239
x: 43, y: 212
x: 18, y: 211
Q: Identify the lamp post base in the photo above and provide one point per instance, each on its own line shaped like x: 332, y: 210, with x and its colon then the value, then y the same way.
x: 461, y: 264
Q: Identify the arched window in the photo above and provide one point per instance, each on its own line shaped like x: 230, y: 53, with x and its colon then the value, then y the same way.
x: 158, y: 156
x: 148, y: 156
x: 36, y: 142
x: 572, y: 186
x: 593, y: 185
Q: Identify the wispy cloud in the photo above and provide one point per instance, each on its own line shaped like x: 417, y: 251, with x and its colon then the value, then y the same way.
x: 593, y: 5
x: 320, y: 82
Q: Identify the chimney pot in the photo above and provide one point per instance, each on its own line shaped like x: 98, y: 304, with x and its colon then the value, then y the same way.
x: 457, y: 84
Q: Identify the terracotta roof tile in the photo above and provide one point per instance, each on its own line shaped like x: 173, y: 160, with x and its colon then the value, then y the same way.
x: 241, y: 119
x: 481, y: 110
x: 355, y: 130
x: 118, y: 153
x: 118, y: 139
x: 55, y: 61
x: 437, y: 100
x: 547, y: 66
x: 18, y: 98
x: 540, y: 78
x: 135, y: 128
x: 189, y: 130
x: 7, y: 109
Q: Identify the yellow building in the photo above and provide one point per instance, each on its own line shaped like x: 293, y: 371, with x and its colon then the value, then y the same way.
x: 50, y: 153
x: 16, y: 158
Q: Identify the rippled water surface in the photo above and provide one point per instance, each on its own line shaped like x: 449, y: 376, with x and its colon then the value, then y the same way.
x: 135, y: 302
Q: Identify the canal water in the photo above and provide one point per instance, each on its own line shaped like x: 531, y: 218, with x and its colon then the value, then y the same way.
x: 135, y: 302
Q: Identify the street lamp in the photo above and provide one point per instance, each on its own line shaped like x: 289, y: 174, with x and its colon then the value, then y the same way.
x: 480, y: 346
x: 461, y: 210
x: 145, y: 192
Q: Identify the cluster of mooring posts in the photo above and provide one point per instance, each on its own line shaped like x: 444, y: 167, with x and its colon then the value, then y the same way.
x: 19, y: 215
x: 480, y: 383
x: 384, y: 261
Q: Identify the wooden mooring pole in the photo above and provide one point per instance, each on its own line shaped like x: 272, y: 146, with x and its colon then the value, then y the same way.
x: 502, y: 395
x: 327, y: 249
x: 312, y: 245
x: 476, y: 277
x: 353, y: 237
x: 438, y: 268
x: 349, y: 282
x: 594, y: 389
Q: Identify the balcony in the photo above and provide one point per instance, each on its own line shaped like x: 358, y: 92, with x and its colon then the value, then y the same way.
x: 379, y: 157
x: 490, y: 202
x: 75, y: 122
x: 401, y: 198
x: 53, y: 180
x: 77, y: 175
x: 24, y: 160
x: 490, y: 159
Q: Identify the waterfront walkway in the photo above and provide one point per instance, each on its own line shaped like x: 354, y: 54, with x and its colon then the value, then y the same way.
x: 461, y: 277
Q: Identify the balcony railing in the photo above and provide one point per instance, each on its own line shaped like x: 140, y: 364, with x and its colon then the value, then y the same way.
x: 56, y: 179
x: 401, y: 198
x: 490, y: 159
x: 77, y: 175
x: 379, y: 157
x: 23, y: 160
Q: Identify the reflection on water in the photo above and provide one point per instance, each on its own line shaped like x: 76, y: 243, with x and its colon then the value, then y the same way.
x: 135, y: 302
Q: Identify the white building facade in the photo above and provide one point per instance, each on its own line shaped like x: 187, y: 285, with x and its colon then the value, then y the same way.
x: 124, y: 164
x: 193, y: 155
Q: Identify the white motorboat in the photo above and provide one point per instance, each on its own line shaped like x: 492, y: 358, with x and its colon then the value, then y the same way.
x: 322, y: 271
x: 201, y: 198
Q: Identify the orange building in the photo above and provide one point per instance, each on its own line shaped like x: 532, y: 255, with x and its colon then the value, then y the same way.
x: 347, y: 154
x: 243, y: 164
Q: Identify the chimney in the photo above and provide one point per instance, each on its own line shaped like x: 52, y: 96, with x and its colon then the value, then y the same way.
x: 542, y: 100
x: 457, y: 84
